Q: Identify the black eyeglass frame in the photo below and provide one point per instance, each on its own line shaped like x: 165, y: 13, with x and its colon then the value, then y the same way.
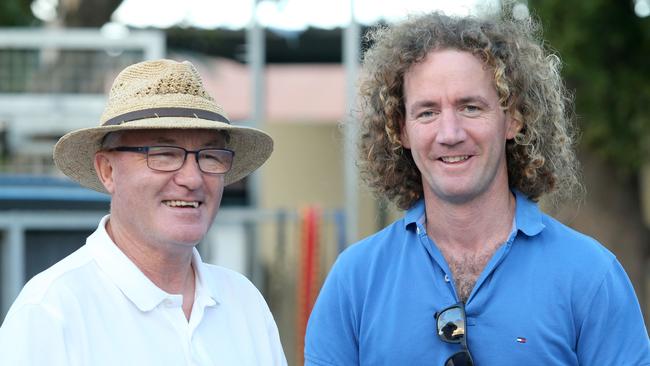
x: 462, y: 339
x: 145, y: 150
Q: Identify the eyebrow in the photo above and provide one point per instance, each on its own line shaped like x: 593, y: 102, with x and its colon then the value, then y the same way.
x: 422, y: 104
x: 472, y: 99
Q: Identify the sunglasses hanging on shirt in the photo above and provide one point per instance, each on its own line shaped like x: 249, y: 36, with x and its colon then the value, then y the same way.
x: 451, y: 324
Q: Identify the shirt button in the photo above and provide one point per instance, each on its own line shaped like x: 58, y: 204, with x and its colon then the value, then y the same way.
x: 417, y: 230
x: 446, y: 278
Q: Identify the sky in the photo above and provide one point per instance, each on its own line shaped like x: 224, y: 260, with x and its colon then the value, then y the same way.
x: 282, y: 14
x: 291, y: 15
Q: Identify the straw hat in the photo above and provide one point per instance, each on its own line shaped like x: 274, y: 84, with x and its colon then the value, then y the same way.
x: 161, y: 94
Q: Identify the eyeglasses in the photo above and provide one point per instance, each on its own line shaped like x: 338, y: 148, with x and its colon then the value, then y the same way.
x: 451, y: 324
x: 172, y: 158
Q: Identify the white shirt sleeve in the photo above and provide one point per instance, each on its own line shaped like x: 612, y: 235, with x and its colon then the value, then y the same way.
x: 33, y: 335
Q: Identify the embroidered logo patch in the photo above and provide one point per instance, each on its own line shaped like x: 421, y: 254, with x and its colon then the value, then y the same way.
x: 521, y: 340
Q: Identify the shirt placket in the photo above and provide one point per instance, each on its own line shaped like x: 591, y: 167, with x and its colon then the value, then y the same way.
x: 445, y: 271
x: 442, y: 269
x: 497, y: 258
x: 197, y: 347
x: 173, y: 309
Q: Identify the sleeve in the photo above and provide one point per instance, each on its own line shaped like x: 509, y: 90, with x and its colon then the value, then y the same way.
x: 332, y: 330
x: 32, y: 335
x: 613, y: 331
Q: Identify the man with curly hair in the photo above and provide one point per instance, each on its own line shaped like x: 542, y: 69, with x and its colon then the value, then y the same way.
x: 466, y: 124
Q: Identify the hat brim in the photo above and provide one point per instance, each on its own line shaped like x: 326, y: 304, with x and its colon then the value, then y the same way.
x: 74, y: 152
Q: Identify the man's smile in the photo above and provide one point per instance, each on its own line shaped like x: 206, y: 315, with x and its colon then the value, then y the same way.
x: 179, y: 203
x: 454, y: 159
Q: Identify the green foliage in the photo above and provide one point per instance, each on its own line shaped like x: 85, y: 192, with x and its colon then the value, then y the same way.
x: 605, y: 47
x: 16, y: 13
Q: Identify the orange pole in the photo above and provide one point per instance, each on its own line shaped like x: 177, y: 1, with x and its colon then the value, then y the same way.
x: 307, y: 288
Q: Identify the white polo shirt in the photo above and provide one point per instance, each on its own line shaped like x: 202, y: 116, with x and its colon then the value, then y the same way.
x: 95, y: 307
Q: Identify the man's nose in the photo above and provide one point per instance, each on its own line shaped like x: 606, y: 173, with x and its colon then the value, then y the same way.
x: 450, y: 128
x: 189, y: 175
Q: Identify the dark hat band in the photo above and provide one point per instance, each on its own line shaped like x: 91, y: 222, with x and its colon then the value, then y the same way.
x: 165, y: 112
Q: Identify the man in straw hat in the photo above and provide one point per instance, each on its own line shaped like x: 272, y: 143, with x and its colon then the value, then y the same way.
x: 138, y: 293
x: 465, y: 124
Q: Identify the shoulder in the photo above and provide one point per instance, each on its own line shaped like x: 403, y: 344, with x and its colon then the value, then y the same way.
x: 378, y: 246
x: 573, y: 247
x: 560, y: 249
x: 57, y: 282
x: 549, y: 234
x: 230, y: 283
x: 226, y: 276
x: 369, y: 260
x: 52, y: 297
x: 580, y: 262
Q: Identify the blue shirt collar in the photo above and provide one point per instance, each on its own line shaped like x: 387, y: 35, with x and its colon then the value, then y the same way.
x: 528, y: 216
x: 414, y: 213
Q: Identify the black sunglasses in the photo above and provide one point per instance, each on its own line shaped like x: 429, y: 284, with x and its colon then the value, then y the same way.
x: 451, y: 324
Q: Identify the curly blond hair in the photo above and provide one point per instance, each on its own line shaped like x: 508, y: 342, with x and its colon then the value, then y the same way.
x: 541, y: 158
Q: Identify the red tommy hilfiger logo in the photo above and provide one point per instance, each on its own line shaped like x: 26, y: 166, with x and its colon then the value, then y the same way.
x: 521, y: 340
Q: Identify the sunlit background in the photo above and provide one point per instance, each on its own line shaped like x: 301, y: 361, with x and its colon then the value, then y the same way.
x: 282, y: 14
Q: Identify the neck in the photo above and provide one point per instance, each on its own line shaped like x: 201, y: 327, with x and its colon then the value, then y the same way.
x: 170, y: 270
x: 473, y: 225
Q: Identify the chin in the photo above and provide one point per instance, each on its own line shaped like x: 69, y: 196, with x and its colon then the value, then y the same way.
x: 457, y: 194
x: 192, y: 238
x: 186, y: 236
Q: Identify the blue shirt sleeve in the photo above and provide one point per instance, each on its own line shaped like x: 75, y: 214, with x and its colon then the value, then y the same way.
x: 331, y: 337
x: 612, y: 331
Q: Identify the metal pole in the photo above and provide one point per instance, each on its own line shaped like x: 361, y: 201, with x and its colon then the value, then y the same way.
x: 351, y: 60
x: 13, y: 266
x: 256, y: 52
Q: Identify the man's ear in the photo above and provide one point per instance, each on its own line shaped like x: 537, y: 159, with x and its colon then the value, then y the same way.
x: 403, y: 136
x: 104, y: 169
x: 515, y: 124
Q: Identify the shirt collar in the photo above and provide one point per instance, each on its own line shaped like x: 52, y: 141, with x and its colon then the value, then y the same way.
x: 415, y: 213
x: 205, y: 285
x: 130, y: 280
x: 528, y: 217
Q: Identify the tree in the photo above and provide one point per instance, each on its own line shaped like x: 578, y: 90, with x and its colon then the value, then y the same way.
x: 15, y: 13
x: 86, y: 13
x: 69, y: 13
x: 605, y: 48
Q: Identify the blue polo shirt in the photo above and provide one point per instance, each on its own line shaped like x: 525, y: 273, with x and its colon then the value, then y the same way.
x: 548, y: 296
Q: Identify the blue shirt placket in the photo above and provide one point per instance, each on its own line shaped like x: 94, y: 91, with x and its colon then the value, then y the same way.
x: 436, y: 256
